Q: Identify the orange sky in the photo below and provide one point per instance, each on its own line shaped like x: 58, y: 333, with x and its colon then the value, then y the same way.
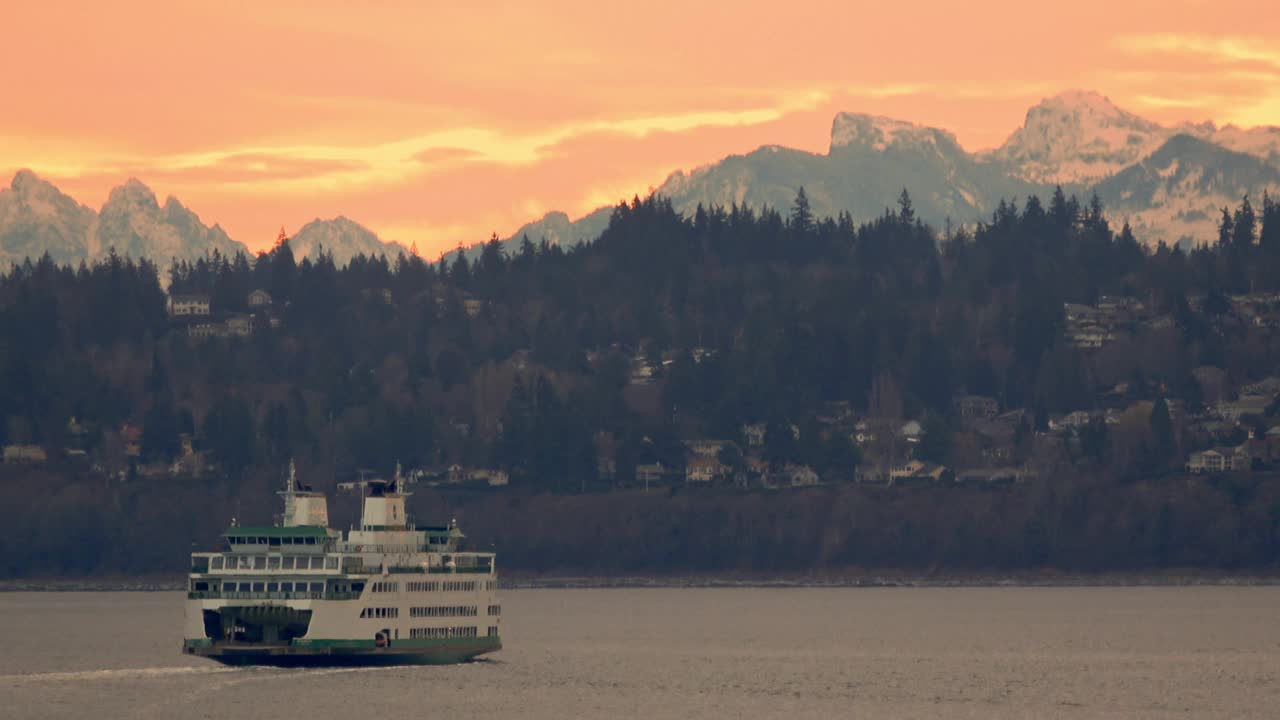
x: 439, y: 124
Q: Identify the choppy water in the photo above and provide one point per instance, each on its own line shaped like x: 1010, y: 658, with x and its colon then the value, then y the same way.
x: 697, y: 653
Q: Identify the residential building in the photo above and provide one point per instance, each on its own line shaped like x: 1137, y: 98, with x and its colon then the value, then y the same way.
x: 24, y: 454
x: 259, y: 299
x: 754, y: 434
x: 977, y: 407
x: 702, y: 469
x: 188, y: 305
x: 1244, y: 406
x: 1220, y: 459
x: 650, y: 472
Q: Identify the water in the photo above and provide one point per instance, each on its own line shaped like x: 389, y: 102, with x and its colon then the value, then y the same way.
x: 1208, y: 652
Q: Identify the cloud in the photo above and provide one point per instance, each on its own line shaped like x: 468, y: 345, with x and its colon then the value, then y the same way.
x: 954, y: 90
x: 1222, y: 50
x: 289, y: 168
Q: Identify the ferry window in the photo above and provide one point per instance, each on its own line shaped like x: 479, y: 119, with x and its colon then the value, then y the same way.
x: 258, y: 587
x: 287, y: 563
x: 202, y: 586
x: 357, y: 587
x: 228, y: 587
x: 317, y: 587
x: 286, y: 587
x: 259, y: 563
x: 311, y: 541
x: 244, y: 587
x: 331, y: 562
x: 216, y: 563
x: 246, y: 562
x: 273, y: 541
x: 317, y: 563
x: 273, y: 587
x: 262, y: 541
x: 273, y: 562
x: 249, y: 541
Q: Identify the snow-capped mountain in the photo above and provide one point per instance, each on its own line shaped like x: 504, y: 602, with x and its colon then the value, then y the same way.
x: 36, y: 217
x: 1168, y: 182
x: 343, y: 239
x: 1076, y: 137
x: 1177, y: 193
x: 135, y: 224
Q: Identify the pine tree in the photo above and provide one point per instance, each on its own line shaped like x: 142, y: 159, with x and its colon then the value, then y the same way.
x: 801, y: 215
x: 1269, y: 239
x: 1226, y: 229
x: 1244, y: 225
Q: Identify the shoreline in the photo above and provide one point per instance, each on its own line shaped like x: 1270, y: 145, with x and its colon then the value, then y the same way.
x: 530, y: 581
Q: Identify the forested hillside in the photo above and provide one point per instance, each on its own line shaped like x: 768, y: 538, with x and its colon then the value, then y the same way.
x: 1042, y: 347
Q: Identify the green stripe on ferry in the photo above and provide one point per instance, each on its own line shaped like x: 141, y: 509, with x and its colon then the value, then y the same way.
x: 417, y: 643
x: 295, y: 531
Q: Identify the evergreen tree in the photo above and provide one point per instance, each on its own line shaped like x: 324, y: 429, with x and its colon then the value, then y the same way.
x: 1244, y: 223
x: 801, y: 215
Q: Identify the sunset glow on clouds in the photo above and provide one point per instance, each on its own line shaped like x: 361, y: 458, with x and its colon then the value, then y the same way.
x: 441, y: 124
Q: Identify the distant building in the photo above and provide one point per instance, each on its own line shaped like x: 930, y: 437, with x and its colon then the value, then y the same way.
x: 239, y: 325
x: 702, y: 469
x: 1219, y: 460
x: 754, y: 434
x: 801, y: 476
x: 492, y: 478
x: 259, y: 298
x: 977, y: 407
x: 918, y: 471
x: 24, y: 454
x: 706, y: 448
x: 1246, y: 405
x: 651, y: 472
x: 188, y: 305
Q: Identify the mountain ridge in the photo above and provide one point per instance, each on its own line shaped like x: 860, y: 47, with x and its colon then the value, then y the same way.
x: 1079, y: 140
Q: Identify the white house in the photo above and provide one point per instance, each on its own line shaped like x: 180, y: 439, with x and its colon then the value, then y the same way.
x: 259, y: 298
x: 188, y: 305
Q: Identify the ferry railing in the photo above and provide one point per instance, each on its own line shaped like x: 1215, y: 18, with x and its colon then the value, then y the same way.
x: 217, y: 595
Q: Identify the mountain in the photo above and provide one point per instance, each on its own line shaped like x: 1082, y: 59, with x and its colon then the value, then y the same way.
x: 1076, y: 137
x: 1178, y: 191
x: 343, y: 239
x: 135, y: 224
x: 1168, y: 182
x: 36, y: 217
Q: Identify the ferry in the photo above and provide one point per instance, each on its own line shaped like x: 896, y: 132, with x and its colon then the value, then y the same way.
x: 299, y: 593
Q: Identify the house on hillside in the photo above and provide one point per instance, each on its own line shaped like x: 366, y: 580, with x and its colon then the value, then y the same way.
x: 238, y: 325
x: 1220, y: 459
x: 31, y: 454
x: 259, y: 299
x: 754, y: 434
x: 703, y: 469
x: 918, y: 472
x: 977, y: 407
x: 1246, y: 405
x: 706, y: 448
x: 651, y: 472
x: 800, y: 476
x: 188, y: 305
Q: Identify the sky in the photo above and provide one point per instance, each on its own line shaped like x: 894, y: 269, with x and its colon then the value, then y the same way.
x: 437, y: 124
